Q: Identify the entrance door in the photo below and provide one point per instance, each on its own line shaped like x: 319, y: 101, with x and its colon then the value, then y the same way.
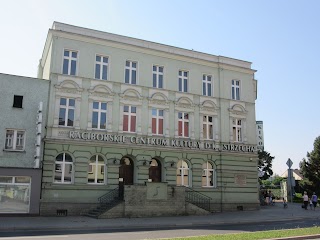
x: 155, y: 170
x: 126, y: 171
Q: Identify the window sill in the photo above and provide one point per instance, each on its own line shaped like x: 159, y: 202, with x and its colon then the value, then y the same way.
x: 61, y: 126
x: 13, y: 150
x: 99, y: 129
x: 62, y: 183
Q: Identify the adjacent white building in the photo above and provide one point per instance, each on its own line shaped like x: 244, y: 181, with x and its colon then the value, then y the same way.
x: 21, y: 131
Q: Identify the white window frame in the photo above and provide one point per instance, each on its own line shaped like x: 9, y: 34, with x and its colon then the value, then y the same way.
x: 158, y: 117
x: 102, y: 64
x: 95, y: 169
x: 70, y: 59
x: 182, y: 78
x: 63, y: 164
x: 129, y: 114
x: 237, y: 129
x: 206, y: 174
x: 15, y: 140
x: 235, y: 89
x: 208, y: 124
x: 182, y: 170
x: 67, y: 107
x: 207, y: 84
x: 100, y: 111
x: 131, y: 69
x: 184, y: 121
x: 157, y: 74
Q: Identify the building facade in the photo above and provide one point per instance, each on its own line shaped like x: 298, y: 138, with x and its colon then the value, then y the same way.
x: 21, y: 130
x: 145, y: 117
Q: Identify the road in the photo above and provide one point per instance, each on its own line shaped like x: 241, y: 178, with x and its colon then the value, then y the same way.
x: 155, y: 233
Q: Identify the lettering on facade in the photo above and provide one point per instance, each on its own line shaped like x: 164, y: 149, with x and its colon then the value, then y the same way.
x: 164, y: 142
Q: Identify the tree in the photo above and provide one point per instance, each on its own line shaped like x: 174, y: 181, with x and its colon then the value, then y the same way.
x: 265, y: 165
x: 310, y: 169
x: 277, y: 180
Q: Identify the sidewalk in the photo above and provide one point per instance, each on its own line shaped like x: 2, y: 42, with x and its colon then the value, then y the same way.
x: 266, y: 213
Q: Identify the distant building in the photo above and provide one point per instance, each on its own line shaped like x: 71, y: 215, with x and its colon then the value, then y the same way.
x: 159, y: 127
x: 20, y: 158
x: 297, y: 176
x: 295, y: 173
x: 260, y: 138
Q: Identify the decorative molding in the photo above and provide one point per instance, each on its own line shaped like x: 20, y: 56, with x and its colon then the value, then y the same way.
x: 68, y: 86
x: 237, y: 109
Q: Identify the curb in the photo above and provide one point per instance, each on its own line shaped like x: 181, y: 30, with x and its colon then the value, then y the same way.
x: 316, y: 236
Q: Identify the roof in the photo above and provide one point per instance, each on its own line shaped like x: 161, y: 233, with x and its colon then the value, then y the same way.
x: 295, y: 172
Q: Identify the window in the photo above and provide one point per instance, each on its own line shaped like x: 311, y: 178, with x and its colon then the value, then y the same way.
x: 15, y: 140
x: 99, y: 115
x: 157, y: 121
x: 208, y: 127
x: 207, y: 85
x: 63, y: 168
x: 70, y: 62
x: 96, y: 170
x: 183, y: 174
x: 208, y: 176
x: 129, y: 118
x: 235, y: 89
x: 101, y: 70
x: 183, y: 124
x: 237, y: 133
x: 131, y: 72
x: 157, y: 76
x: 17, y: 101
x: 183, y: 81
x: 15, y: 194
x: 66, y: 112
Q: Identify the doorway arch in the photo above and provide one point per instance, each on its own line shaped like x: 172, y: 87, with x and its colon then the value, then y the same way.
x: 155, y: 170
x: 126, y: 171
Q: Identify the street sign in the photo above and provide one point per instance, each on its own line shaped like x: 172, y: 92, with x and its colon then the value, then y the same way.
x: 289, y: 163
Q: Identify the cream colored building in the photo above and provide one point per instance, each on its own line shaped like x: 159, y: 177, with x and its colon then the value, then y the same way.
x: 145, y: 117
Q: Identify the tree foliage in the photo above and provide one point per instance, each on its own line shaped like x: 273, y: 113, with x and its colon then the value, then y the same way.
x: 310, y: 169
x: 274, y: 181
x: 265, y: 165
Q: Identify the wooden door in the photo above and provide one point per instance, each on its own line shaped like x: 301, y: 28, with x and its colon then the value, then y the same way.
x: 126, y: 171
x: 155, y: 173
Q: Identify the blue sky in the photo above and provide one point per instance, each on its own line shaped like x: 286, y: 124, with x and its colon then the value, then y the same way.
x: 280, y: 38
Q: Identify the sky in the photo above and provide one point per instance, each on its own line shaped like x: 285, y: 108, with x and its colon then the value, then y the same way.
x: 280, y: 38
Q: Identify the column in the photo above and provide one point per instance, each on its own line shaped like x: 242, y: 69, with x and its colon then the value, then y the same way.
x: 89, y: 126
x: 109, y: 116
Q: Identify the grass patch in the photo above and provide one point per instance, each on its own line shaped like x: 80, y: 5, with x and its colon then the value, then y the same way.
x: 257, y: 235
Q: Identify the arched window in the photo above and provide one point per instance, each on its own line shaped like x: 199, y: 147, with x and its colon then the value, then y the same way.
x: 208, y: 175
x: 96, y: 170
x: 183, y: 174
x: 63, y: 168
